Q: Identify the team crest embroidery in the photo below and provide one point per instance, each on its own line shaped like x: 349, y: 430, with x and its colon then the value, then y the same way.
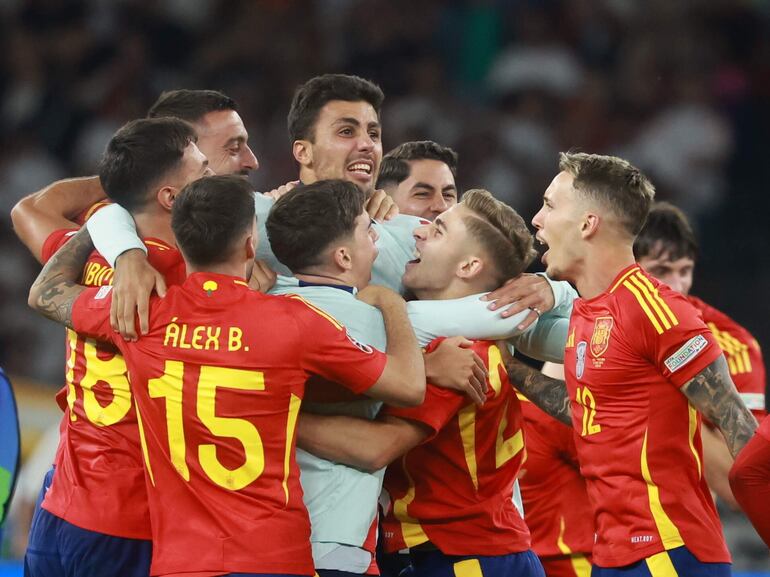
x: 580, y: 360
x: 600, y: 340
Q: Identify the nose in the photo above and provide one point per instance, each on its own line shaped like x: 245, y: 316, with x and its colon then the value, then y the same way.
x: 365, y: 142
x: 439, y: 204
x: 249, y: 160
x: 421, y: 232
x: 537, y: 220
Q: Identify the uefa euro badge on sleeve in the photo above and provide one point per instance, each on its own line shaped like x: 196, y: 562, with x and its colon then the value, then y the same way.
x: 10, y: 448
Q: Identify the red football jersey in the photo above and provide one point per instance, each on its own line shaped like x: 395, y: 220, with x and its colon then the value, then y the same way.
x: 744, y: 357
x: 218, y: 383
x: 638, y: 438
x: 553, y: 491
x: 456, y: 489
x: 99, y: 481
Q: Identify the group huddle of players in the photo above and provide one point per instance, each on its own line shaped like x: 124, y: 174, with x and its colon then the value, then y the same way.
x: 248, y: 393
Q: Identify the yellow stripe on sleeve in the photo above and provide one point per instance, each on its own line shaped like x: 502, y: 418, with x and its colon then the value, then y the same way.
x: 314, y: 308
x: 693, y: 426
x: 623, y: 278
x: 644, y: 290
x: 645, y: 308
x: 468, y: 568
x: 669, y: 534
x: 656, y: 296
x: 467, y: 422
x: 660, y: 565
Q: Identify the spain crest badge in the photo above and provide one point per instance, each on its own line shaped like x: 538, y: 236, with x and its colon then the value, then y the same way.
x: 600, y: 340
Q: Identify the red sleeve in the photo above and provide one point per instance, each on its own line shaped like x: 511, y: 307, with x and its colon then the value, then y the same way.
x: 333, y: 354
x: 674, y: 337
x: 91, y: 210
x: 750, y: 480
x: 437, y: 409
x: 55, y: 241
x: 91, y: 313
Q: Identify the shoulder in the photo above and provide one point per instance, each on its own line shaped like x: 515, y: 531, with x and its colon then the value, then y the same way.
x: 305, y: 311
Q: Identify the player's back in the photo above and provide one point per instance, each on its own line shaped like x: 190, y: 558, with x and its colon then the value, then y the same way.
x: 637, y: 436
x: 99, y: 480
x: 456, y: 489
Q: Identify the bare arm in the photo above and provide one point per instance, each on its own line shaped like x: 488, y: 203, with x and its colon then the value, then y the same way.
x: 55, y: 289
x: 55, y: 207
x: 716, y: 465
x: 713, y: 393
x: 547, y: 393
x: 402, y: 383
x: 363, y: 444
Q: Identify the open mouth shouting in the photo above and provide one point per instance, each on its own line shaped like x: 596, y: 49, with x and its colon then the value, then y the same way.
x: 360, y: 170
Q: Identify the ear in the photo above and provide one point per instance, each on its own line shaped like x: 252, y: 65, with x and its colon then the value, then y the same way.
x: 303, y: 152
x: 166, y: 196
x: 469, y: 267
x: 250, y: 248
x: 342, y: 258
x: 590, y: 225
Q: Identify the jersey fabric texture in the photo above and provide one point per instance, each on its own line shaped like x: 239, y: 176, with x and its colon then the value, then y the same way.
x: 629, y: 351
x: 455, y: 490
x: 218, y: 382
x: 750, y: 480
x: 558, y: 512
x: 99, y: 482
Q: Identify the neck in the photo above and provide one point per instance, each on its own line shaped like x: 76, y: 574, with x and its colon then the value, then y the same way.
x: 601, y: 267
x: 229, y: 268
x: 155, y: 225
x: 306, y: 175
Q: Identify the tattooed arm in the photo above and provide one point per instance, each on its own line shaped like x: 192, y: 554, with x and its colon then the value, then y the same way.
x: 547, y: 393
x: 713, y: 393
x: 56, y: 287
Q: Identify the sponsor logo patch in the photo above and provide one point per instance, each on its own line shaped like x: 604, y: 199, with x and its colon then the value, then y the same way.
x: 580, y: 359
x: 103, y: 292
x: 600, y: 340
x: 686, y: 353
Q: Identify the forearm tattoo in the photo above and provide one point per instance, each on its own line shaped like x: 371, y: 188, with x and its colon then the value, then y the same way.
x: 547, y: 393
x: 56, y: 287
x: 713, y: 393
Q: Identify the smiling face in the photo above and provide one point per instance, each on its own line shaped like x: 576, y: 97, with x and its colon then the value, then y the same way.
x: 440, y: 249
x: 558, y: 225
x: 222, y: 137
x: 428, y: 191
x: 346, y: 145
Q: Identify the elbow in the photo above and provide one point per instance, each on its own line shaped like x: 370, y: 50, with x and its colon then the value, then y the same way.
x: 414, y: 392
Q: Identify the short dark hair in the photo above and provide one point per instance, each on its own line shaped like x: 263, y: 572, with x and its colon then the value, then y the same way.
x: 666, y: 232
x: 395, y: 166
x: 190, y: 105
x: 615, y: 183
x: 501, y: 232
x: 139, y: 155
x: 210, y: 215
x: 313, y: 95
x: 306, y: 220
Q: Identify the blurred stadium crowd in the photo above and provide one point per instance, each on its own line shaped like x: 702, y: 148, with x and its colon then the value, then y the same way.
x: 681, y: 89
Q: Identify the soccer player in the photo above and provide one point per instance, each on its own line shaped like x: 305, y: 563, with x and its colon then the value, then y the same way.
x: 94, y: 517
x: 320, y: 232
x: 451, y: 492
x: 640, y: 364
x: 667, y: 249
x: 218, y: 391
x: 420, y: 177
x: 750, y: 480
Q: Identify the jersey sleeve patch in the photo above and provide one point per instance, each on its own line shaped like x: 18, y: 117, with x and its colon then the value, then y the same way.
x: 686, y: 353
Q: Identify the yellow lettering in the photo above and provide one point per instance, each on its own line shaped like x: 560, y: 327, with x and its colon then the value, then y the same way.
x: 234, y: 341
x: 72, y: 341
x: 197, y: 338
x: 169, y: 387
x: 182, y: 344
x: 112, y: 373
x: 172, y: 334
x: 212, y: 339
x: 91, y: 271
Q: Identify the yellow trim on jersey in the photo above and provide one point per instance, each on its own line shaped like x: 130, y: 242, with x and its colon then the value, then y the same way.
x: 645, y: 308
x: 660, y: 565
x: 467, y: 422
x: 507, y: 449
x: 570, y: 340
x: 693, y: 426
x: 581, y: 565
x: 94, y: 207
x: 143, y: 442
x: 410, y: 528
x: 736, y: 351
x: 624, y: 277
x: 669, y: 534
x: 312, y: 307
x: 240, y: 282
x: 72, y: 338
x: 495, y: 361
x: 160, y: 245
x: 291, y: 426
x: 657, y: 298
x: 563, y: 547
x: 468, y: 568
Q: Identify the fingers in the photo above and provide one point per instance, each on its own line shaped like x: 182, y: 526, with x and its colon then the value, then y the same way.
x: 392, y: 212
x: 114, y: 307
x: 277, y: 193
x: 528, y: 321
x: 480, y: 371
x: 379, y: 205
x: 126, y: 319
x: 476, y: 390
x: 160, y: 285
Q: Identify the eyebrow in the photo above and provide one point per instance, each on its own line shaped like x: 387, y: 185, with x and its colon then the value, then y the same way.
x: 239, y: 139
x: 355, y: 122
x: 440, y: 223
